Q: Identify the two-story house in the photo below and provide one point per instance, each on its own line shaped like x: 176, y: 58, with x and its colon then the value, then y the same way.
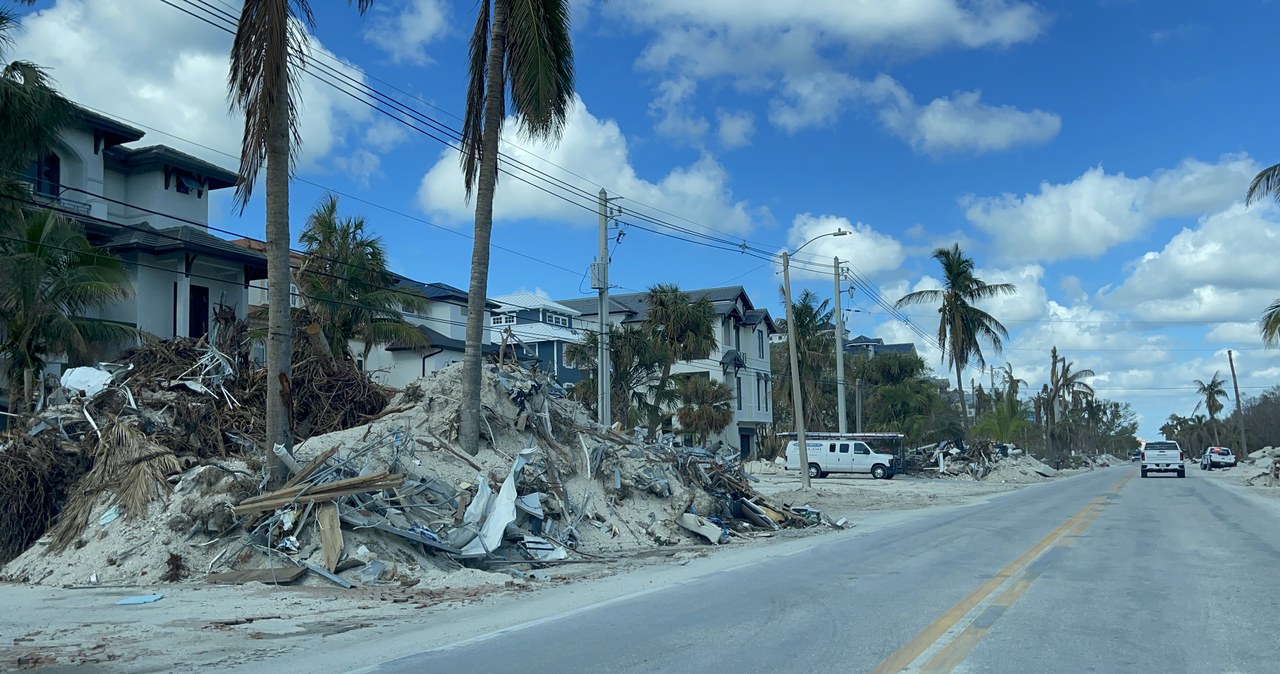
x: 539, y: 329
x: 740, y: 359
x: 149, y: 206
x: 443, y: 323
x: 870, y: 346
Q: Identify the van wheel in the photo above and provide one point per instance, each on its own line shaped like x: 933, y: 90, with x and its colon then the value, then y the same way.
x: 878, y: 471
x: 815, y: 472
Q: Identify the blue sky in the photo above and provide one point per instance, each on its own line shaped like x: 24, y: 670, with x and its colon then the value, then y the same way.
x: 1095, y: 153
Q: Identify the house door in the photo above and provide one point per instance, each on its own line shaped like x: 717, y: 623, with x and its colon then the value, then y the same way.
x: 744, y: 444
x: 198, y: 312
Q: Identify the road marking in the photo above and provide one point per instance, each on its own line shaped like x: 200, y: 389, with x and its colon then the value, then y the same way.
x: 949, y: 640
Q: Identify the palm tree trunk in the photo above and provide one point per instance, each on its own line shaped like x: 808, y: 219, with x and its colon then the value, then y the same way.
x: 279, y: 319
x: 964, y: 408
x: 656, y: 420
x: 28, y: 393
x: 1213, y: 423
x: 472, y: 359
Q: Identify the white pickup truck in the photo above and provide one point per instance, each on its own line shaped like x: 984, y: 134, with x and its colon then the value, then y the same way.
x: 1163, y: 456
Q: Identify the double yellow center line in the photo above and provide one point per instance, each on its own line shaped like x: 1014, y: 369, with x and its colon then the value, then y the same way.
x: 950, y: 639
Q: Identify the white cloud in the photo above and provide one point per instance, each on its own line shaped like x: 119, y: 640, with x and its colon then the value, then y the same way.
x: 1093, y: 213
x: 672, y: 109
x: 736, y: 128
x: 751, y: 37
x: 361, y: 165
x: 868, y: 251
x: 595, y: 148
x: 385, y: 134
x: 961, y: 123
x: 165, y: 69
x: 405, y: 34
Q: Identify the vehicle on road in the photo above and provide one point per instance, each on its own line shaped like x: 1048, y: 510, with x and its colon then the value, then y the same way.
x: 874, y: 454
x: 1217, y: 457
x: 1163, y: 456
x: 1135, y: 455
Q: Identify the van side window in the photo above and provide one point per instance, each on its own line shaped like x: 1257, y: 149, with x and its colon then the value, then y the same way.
x: 844, y: 448
x: 861, y: 449
x: 831, y: 448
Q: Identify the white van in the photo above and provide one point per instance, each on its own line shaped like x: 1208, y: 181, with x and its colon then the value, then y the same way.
x: 847, y: 453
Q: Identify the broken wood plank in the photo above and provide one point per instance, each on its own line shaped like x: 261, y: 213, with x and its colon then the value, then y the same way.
x: 310, y: 468
x: 317, y: 496
x: 330, y: 534
x: 276, y: 576
x: 324, y: 486
x: 466, y: 459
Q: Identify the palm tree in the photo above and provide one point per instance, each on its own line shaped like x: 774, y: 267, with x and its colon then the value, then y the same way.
x: 50, y: 276
x: 815, y: 348
x: 31, y: 114
x: 1011, y: 383
x: 706, y: 407
x: 1006, y: 422
x: 682, y: 329
x: 346, y: 284
x: 961, y: 324
x: 1067, y: 388
x: 524, y: 45
x: 266, y: 53
x: 1212, y: 392
x: 635, y: 363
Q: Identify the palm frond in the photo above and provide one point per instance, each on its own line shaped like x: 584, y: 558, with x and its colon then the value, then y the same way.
x: 1269, y: 325
x: 540, y: 64
x: 473, y: 117
x: 1265, y: 184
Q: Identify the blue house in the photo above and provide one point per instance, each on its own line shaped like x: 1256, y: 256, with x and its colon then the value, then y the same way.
x: 539, y: 329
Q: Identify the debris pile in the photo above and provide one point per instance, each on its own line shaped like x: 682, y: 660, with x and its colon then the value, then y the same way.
x: 390, y: 501
x: 184, y: 402
x: 981, y: 460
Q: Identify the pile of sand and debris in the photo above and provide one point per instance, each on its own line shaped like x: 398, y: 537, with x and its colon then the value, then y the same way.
x: 396, y: 502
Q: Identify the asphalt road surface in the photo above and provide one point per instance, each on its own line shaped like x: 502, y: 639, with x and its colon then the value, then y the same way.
x: 1103, y: 572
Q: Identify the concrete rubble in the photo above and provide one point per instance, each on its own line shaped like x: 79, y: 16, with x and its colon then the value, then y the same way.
x: 390, y: 501
x: 992, y: 462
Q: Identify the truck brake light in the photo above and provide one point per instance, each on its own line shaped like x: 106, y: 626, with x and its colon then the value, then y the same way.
x: 1144, y: 456
x: 1180, y: 456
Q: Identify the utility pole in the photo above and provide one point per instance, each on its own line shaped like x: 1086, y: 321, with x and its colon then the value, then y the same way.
x: 797, y: 400
x: 840, y: 404
x: 1244, y: 449
x: 857, y: 404
x: 600, y: 282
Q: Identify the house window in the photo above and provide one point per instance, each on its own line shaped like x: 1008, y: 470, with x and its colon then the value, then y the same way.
x: 295, y: 300
x: 737, y: 338
x: 759, y: 397
x: 504, y: 319
x: 738, y: 380
x: 760, y: 343
x: 45, y: 175
x: 557, y: 319
x: 727, y: 340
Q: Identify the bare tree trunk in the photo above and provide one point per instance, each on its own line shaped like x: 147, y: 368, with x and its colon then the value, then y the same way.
x: 279, y: 318
x: 28, y: 391
x: 964, y: 408
x: 473, y: 356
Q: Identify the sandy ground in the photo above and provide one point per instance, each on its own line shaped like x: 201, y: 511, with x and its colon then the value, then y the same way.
x: 225, y: 628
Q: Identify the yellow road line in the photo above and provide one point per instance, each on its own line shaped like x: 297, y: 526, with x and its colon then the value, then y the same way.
x: 963, y: 644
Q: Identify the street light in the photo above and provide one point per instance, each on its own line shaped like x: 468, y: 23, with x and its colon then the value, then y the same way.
x: 797, y: 403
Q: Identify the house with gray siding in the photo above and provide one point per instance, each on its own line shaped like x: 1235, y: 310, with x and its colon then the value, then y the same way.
x: 539, y: 329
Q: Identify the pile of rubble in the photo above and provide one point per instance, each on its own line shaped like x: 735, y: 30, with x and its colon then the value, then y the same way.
x: 1267, y: 462
x: 981, y: 460
x: 390, y: 501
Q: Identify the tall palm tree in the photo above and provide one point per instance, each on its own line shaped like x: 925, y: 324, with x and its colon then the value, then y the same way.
x: 961, y: 324
x: 1012, y: 384
x: 346, y: 284
x: 50, y: 276
x: 523, y: 45
x: 266, y: 54
x: 683, y: 329
x: 815, y: 348
x: 706, y: 407
x: 31, y: 114
x: 1212, y: 393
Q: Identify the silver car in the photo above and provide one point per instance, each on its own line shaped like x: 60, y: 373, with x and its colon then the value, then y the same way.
x: 1217, y: 457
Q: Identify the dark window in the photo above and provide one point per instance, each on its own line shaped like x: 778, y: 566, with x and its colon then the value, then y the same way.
x: 860, y: 448
x: 760, y: 343
x: 844, y: 448
x: 739, y: 384
x: 198, y: 312
x: 831, y: 448
x: 45, y: 175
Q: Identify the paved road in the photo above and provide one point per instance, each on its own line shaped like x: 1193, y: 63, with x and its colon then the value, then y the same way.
x: 1103, y: 572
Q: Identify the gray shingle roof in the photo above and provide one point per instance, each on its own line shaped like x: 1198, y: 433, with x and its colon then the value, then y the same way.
x: 149, y: 239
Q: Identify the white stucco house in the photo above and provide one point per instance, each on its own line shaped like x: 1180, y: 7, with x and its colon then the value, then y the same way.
x: 740, y: 359
x: 149, y: 206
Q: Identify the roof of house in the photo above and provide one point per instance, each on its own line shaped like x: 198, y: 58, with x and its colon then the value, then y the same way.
x: 876, y: 343
x: 523, y: 300
x: 635, y: 306
x: 134, y: 159
x: 439, y: 341
x: 114, y: 132
x: 533, y: 333
x: 440, y: 292
x: 261, y: 247
x: 146, y: 238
